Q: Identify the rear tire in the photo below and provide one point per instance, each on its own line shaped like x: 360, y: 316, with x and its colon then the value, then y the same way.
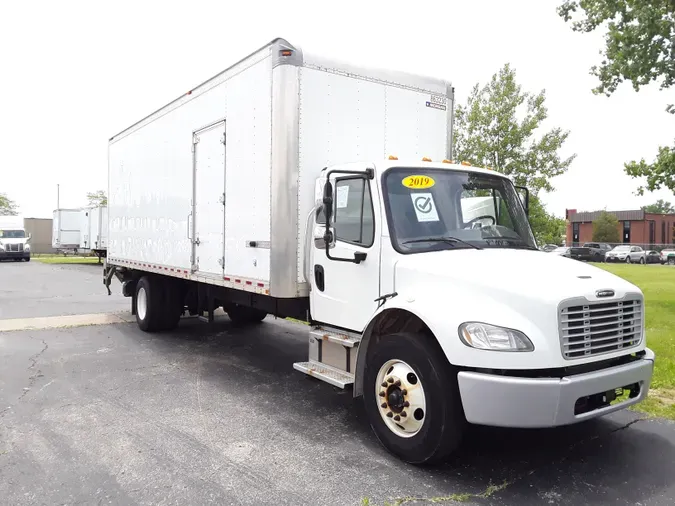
x: 642, y: 260
x: 671, y: 261
x: 443, y: 420
x: 243, y: 315
x: 149, y: 301
x: 174, y: 303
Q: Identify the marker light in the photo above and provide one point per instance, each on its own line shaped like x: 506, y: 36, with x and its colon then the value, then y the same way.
x: 448, y: 161
x: 392, y: 157
x: 426, y: 159
x: 464, y: 162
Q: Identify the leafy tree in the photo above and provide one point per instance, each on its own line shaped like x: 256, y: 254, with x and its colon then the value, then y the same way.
x: 660, y: 206
x: 606, y: 228
x: 659, y: 174
x: 489, y: 132
x: 547, y: 228
x: 639, y: 47
x: 97, y: 198
x: 7, y: 206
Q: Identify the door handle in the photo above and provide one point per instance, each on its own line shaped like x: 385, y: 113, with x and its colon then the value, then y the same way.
x: 188, y: 226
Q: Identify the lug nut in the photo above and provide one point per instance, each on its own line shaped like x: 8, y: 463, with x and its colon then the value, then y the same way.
x: 382, y: 394
x: 390, y: 414
x: 404, y: 414
x: 390, y: 379
x: 398, y: 383
x: 406, y: 404
x: 383, y: 405
x: 384, y: 385
x: 397, y: 418
x: 404, y: 392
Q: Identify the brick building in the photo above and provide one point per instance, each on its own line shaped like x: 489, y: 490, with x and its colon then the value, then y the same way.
x: 635, y: 227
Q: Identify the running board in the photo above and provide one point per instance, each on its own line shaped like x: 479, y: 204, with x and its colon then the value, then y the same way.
x: 325, y: 373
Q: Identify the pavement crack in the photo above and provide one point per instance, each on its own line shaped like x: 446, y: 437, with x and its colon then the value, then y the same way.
x: 38, y: 373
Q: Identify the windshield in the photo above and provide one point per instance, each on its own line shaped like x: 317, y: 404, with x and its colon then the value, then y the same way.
x: 12, y: 234
x: 622, y: 248
x: 453, y: 210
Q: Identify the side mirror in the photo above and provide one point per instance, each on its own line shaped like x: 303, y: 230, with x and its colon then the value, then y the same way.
x: 328, y: 202
x: 30, y: 236
x: 524, y: 195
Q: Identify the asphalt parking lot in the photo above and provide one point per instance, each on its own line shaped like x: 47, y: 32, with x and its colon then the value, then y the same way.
x: 106, y: 414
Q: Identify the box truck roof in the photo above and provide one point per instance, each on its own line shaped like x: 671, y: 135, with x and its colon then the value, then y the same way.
x: 284, y: 53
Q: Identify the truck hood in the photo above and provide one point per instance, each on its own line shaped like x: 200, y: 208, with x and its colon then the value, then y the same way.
x: 516, y: 289
x: 13, y: 240
x: 524, y: 273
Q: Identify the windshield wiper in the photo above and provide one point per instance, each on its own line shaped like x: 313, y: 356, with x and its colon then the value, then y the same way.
x: 447, y: 239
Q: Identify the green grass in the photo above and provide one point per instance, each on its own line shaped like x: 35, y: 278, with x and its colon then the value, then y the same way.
x: 60, y: 259
x: 658, y: 285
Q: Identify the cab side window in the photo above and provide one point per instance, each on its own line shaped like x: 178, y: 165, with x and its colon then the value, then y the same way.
x: 354, y: 218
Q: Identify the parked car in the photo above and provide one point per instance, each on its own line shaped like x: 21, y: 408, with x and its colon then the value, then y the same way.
x: 590, y: 252
x: 549, y: 247
x: 652, y: 257
x: 626, y: 253
x: 563, y: 251
x: 668, y: 256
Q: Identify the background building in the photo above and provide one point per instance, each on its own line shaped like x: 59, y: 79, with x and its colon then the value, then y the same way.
x: 635, y: 227
x: 41, y: 234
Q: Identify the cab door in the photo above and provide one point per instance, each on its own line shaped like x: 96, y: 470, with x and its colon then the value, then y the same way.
x: 344, y: 287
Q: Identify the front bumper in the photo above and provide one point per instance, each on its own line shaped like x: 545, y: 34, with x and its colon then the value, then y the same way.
x: 505, y: 401
x: 14, y: 254
x: 615, y: 259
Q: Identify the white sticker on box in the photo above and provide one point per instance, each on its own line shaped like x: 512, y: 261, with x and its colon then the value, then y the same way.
x: 424, y: 205
x: 342, y: 196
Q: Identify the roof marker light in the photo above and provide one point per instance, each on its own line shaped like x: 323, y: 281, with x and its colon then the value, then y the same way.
x: 447, y: 161
x: 426, y: 159
x: 464, y: 162
x: 392, y: 157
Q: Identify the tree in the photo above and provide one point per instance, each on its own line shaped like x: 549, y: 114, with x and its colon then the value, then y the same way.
x: 488, y: 133
x: 547, y: 228
x: 606, y: 228
x: 660, y: 206
x: 96, y: 199
x: 7, y: 206
x: 639, y: 47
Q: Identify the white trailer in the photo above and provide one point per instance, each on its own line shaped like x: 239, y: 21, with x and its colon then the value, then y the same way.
x: 94, y: 230
x: 275, y: 188
x: 66, y: 229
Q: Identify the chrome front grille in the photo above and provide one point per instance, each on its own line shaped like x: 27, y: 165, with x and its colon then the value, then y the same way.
x: 14, y: 247
x: 594, y: 328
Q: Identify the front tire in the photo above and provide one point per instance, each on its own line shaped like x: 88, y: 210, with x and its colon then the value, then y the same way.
x: 408, y: 373
x: 628, y: 259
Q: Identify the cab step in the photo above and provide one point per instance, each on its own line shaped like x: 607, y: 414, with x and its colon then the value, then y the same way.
x: 343, y: 338
x: 325, y: 373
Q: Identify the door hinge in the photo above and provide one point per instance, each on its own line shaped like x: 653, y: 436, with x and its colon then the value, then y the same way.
x: 221, y: 262
x: 221, y: 199
x: 223, y: 139
x: 197, y: 242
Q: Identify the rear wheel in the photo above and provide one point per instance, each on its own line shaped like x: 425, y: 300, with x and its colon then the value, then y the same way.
x: 412, y: 399
x: 671, y: 260
x: 244, y: 314
x: 149, y: 303
x: 642, y: 260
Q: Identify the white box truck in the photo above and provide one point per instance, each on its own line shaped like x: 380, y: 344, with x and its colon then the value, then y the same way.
x: 94, y: 230
x: 66, y: 229
x: 275, y: 188
x: 14, y: 242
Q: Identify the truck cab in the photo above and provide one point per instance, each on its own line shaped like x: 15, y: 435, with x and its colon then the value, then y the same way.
x: 14, y: 242
x: 429, y: 295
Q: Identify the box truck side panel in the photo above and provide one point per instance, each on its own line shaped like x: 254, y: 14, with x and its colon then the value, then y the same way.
x: 175, y: 157
x: 346, y: 117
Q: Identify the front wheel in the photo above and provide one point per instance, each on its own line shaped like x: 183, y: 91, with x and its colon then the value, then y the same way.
x: 412, y: 399
x: 628, y: 260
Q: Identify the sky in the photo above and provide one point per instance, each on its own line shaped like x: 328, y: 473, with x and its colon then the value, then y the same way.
x: 77, y: 72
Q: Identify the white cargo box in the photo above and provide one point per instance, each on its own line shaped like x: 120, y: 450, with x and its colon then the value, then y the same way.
x: 216, y: 186
x: 66, y: 229
x: 94, y: 233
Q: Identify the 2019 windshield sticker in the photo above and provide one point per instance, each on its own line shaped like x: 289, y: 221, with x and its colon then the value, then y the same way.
x: 425, y: 207
x: 418, y: 182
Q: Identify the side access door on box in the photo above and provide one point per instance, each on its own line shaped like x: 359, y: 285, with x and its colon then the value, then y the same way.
x: 208, y: 200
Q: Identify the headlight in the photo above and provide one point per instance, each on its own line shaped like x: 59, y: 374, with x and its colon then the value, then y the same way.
x: 484, y: 336
x: 26, y: 247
